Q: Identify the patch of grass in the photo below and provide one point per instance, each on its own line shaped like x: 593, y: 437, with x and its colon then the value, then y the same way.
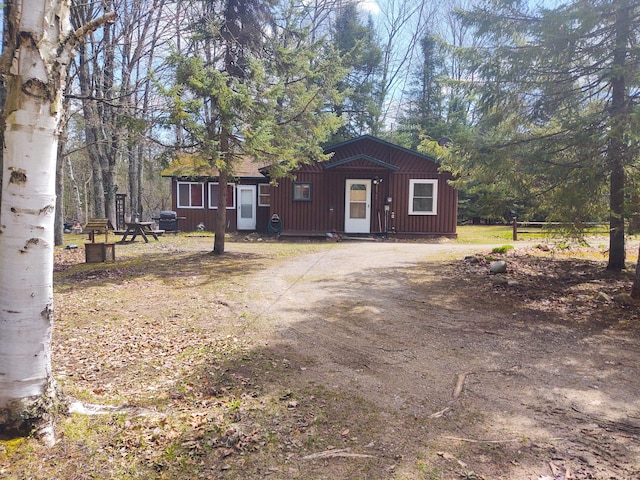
x: 483, y: 234
x: 478, y: 234
x: 428, y: 471
x: 503, y: 249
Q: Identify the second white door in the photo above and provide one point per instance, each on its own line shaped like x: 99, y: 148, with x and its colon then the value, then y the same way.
x: 357, y: 217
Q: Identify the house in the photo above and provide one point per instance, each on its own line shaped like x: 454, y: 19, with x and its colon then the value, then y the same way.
x: 369, y: 187
x: 194, y: 196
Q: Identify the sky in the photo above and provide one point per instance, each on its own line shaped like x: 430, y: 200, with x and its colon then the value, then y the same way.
x: 370, y: 6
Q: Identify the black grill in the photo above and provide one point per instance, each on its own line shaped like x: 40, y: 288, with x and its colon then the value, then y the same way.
x: 168, y: 221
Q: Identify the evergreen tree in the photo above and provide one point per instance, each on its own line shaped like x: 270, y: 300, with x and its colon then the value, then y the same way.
x: 424, y: 113
x: 253, y: 85
x: 559, y: 106
x: 356, y: 44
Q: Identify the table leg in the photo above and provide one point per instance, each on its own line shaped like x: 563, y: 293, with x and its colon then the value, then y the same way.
x: 146, y: 240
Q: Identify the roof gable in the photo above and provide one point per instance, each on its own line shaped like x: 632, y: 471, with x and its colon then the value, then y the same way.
x: 368, y: 158
x: 338, y: 146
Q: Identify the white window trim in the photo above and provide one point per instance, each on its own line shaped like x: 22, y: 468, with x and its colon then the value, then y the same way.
x: 420, y: 181
x: 260, y: 194
x: 233, y: 196
x: 191, y: 184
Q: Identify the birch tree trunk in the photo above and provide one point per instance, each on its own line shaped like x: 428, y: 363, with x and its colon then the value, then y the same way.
x: 37, y: 50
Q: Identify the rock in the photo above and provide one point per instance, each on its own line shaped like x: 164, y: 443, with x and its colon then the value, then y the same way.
x: 625, y: 299
x: 498, y: 267
x: 604, y: 296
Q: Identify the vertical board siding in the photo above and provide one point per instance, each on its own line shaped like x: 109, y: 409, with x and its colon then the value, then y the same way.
x: 365, y: 158
x: 362, y: 159
x: 190, y: 218
x: 442, y: 223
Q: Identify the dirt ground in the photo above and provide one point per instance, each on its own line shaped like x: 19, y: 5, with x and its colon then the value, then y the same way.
x: 351, y: 360
x: 530, y: 374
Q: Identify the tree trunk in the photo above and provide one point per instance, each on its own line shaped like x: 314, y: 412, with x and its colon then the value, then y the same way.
x: 75, y: 195
x: 635, y: 288
x: 32, y: 113
x: 132, y: 151
x: 37, y: 50
x: 91, y: 122
x: 616, y: 217
x: 59, y: 217
x: 616, y: 149
x: 62, y: 145
x: 221, y: 214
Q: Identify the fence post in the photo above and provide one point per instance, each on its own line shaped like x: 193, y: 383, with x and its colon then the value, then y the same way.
x: 515, y: 229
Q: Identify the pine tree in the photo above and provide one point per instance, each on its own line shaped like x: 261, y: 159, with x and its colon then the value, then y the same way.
x: 424, y: 114
x: 253, y: 85
x: 559, y: 112
x: 356, y: 44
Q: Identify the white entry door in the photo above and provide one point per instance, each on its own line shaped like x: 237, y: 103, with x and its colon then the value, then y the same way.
x: 357, y: 217
x: 246, y: 207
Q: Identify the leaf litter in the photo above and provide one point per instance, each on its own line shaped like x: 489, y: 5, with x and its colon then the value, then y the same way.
x: 185, y: 389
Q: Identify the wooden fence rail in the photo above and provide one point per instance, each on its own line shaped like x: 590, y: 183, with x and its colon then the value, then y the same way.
x: 550, y: 227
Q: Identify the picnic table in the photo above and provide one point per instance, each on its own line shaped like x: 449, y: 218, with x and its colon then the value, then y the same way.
x: 140, y: 228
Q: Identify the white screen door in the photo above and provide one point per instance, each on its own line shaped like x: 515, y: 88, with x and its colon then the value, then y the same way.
x: 357, y: 216
x: 246, y: 207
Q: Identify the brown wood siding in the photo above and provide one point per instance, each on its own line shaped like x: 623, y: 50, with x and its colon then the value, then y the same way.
x: 365, y: 158
x: 444, y: 222
x: 311, y: 216
x: 190, y: 218
x: 329, y: 191
x: 262, y: 219
x: 404, y: 160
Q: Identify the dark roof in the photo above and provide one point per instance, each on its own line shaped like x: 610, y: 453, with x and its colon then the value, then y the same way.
x: 331, y: 148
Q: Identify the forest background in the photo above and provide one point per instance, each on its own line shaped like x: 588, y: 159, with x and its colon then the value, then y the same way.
x: 404, y: 81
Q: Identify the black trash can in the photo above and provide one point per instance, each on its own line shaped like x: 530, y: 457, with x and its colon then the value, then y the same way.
x: 168, y: 221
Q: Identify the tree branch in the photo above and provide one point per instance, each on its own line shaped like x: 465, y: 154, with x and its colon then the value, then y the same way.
x: 75, y: 37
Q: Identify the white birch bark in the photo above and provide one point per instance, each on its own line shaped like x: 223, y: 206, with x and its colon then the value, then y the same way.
x: 37, y: 47
x: 31, y: 115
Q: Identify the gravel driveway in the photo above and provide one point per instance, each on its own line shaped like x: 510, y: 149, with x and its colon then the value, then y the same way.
x: 490, y: 387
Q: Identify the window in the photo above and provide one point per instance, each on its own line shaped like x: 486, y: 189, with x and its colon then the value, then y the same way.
x: 301, y: 191
x: 423, y: 197
x: 264, y: 194
x: 214, y: 188
x: 190, y: 195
